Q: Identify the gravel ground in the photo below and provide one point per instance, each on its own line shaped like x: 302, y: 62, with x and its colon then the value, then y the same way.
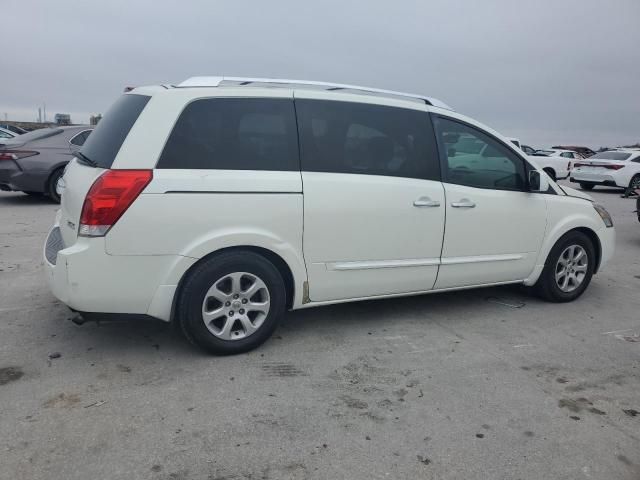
x: 483, y: 384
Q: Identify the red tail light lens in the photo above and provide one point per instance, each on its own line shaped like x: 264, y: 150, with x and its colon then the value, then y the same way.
x: 614, y: 167
x: 17, y: 154
x: 109, y: 197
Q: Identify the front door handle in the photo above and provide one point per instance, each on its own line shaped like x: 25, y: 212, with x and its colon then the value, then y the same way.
x: 426, y: 202
x: 464, y: 203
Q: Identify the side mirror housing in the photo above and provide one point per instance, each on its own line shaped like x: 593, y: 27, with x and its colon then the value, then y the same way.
x: 538, y: 181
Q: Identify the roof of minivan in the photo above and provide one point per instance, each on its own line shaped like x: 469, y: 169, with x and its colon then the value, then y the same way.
x: 248, y: 82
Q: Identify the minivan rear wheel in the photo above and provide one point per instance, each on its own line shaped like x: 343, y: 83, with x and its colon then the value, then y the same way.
x: 231, y: 303
x: 568, y: 269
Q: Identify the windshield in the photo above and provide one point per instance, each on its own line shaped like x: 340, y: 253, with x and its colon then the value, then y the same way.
x: 610, y: 156
x: 34, y: 135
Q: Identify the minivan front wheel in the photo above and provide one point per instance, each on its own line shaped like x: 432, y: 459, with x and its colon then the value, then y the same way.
x: 569, y: 268
x: 231, y: 303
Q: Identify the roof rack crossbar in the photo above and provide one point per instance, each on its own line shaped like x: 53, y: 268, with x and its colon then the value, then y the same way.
x: 220, y: 80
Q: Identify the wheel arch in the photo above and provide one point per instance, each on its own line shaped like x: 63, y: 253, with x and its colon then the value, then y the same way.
x: 595, y: 240
x: 277, y: 261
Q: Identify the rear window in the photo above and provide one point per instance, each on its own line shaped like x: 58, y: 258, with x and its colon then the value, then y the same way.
x: 105, y: 141
x: 234, y: 134
x: 35, y: 135
x: 610, y: 156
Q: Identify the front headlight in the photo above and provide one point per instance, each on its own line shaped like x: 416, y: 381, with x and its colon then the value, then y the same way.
x: 606, y: 218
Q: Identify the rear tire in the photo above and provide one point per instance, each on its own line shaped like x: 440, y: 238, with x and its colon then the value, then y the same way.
x: 634, y: 184
x: 586, y: 186
x: 223, y: 327
x: 52, y: 183
x: 566, y: 273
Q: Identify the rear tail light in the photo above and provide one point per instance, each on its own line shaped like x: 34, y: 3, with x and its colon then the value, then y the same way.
x: 614, y: 167
x: 17, y: 154
x: 578, y: 165
x: 109, y: 197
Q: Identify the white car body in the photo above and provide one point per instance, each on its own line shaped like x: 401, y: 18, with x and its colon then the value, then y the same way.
x: 609, y: 169
x: 342, y: 237
x: 558, y: 168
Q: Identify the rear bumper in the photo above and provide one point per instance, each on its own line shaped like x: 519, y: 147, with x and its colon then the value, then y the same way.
x: 13, y: 178
x: 604, y: 180
x: 88, y: 280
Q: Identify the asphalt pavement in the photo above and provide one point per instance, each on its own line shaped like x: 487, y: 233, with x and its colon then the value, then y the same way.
x: 480, y: 384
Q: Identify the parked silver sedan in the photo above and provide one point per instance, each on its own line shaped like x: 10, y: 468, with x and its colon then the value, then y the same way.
x: 34, y: 162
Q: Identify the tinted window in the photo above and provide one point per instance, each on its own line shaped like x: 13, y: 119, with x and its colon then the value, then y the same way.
x: 489, y: 164
x: 566, y: 155
x: 5, y: 135
x: 80, y: 138
x: 344, y: 137
x: 104, y: 143
x: 234, y: 134
x: 610, y: 156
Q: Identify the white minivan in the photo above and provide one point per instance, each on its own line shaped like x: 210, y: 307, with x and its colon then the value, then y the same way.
x: 221, y: 202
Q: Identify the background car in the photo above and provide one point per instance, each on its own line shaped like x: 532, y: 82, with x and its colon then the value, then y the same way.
x: 6, y: 135
x: 13, y: 128
x: 584, y: 151
x: 613, y: 168
x: 34, y: 162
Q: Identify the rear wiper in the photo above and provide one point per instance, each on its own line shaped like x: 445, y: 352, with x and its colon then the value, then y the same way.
x: 84, y: 159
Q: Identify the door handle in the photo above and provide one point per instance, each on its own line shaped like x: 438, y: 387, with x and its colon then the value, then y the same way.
x: 464, y: 203
x: 426, y: 202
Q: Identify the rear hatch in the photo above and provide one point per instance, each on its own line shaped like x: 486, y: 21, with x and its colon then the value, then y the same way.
x: 94, y: 158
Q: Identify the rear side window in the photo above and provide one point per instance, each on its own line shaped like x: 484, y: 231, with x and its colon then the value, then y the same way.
x: 345, y: 137
x: 234, y: 134
x: 80, y: 138
x: 105, y: 141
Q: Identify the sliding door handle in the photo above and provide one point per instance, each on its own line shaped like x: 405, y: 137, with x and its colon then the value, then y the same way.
x: 464, y: 203
x: 426, y: 202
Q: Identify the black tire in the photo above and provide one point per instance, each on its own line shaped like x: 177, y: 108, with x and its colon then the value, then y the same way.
x: 586, y: 186
x: 34, y: 194
x: 551, y: 173
x: 195, y: 287
x: 634, y: 184
x: 51, y: 185
x: 547, y: 287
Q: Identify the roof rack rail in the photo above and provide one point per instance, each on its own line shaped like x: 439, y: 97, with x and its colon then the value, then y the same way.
x: 224, y: 80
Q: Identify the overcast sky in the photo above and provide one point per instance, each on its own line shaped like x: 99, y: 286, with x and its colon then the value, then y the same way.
x: 546, y: 71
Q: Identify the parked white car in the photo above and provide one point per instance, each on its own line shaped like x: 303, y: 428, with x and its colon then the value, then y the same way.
x: 557, y: 167
x: 221, y: 203
x: 613, y: 168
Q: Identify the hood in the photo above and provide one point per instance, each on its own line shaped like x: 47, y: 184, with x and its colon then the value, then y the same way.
x: 572, y: 192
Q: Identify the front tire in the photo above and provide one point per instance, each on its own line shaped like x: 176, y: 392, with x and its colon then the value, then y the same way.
x: 231, y: 303
x: 586, y: 186
x: 568, y: 269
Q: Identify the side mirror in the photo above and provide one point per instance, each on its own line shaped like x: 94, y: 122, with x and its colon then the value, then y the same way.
x: 538, y: 181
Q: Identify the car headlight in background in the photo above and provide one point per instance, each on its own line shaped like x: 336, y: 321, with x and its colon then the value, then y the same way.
x: 606, y: 218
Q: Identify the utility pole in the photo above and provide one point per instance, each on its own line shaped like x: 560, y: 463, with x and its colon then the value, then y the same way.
x: 39, y: 115
x: 45, y: 112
